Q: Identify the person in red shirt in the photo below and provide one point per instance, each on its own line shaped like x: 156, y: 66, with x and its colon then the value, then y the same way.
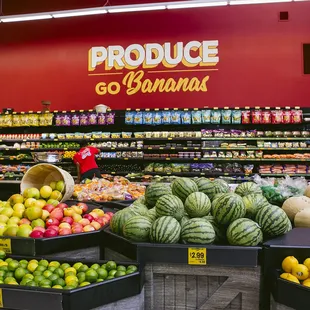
x: 86, y: 165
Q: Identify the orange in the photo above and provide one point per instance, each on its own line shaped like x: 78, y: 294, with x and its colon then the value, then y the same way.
x: 288, y: 263
x: 289, y: 277
x: 300, y: 271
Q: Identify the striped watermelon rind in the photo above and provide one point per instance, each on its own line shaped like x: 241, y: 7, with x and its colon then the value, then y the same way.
x: 151, y: 214
x: 244, y: 232
x: 197, y: 205
x: 165, y: 229
x: 183, y: 187
x: 197, y: 231
x: 248, y: 188
x: 184, y: 219
x: 170, y: 205
x: 137, y: 229
x: 253, y: 203
x: 273, y: 221
x: 202, y: 183
x: 218, y: 186
x: 154, y: 192
x: 220, y: 230
x: 227, y: 208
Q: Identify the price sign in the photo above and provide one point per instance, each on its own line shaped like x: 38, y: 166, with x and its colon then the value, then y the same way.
x: 5, y: 245
x: 197, y: 256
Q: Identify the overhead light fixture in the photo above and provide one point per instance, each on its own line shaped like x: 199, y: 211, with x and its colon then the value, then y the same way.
x: 136, y: 8
x: 240, y: 2
x: 195, y: 4
x: 75, y: 13
x: 24, y: 18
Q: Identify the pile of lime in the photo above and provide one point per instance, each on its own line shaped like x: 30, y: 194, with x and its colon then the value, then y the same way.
x: 53, y: 274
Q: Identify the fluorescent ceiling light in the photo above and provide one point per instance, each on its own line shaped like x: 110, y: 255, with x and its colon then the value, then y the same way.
x: 22, y: 18
x: 138, y: 8
x: 192, y: 4
x: 79, y: 13
x: 240, y: 2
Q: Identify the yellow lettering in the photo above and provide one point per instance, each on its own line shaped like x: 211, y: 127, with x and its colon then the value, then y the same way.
x: 101, y: 89
x: 133, y: 82
x: 203, y: 86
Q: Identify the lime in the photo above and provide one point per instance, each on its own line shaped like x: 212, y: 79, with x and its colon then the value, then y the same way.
x: 38, y: 279
x: 9, y: 274
x: 43, y: 262
x: 31, y: 283
x: 8, y: 260
x: 45, y: 286
x: 132, y: 267
x: 84, y: 284
x: 4, y: 268
x: 28, y: 276
x: 23, y: 265
x: 54, y: 264
x: 37, y: 273
x: 83, y: 268
x: 12, y: 283
x: 104, y: 266
x: 52, y: 268
x: 45, y: 282
x: 24, y: 281
x: 70, y: 273
x: 41, y: 268
x: 68, y: 287
x: 102, y: 273
x: 60, y: 282
x: 119, y: 273
x: 74, y: 284
x: 33, y: 261
x: 109, y: 278
x: 95, y: 266
x: 32, y: 266
x: 81, y: 276
x: 2, y: 254
x: 91, y: 275
x: 19, y: 273
x: 130, y: 271
x: 23, y: 261
x: 112, y: 272
x: 77, y: 265
x: 70, y: 269
x: 59, y: 272
x: 110, y: 265
x: 47, y: 273
x: 53, y: 277
x: 57, y: 286
x: 71, y: 279
x: 100, y: 280
x: 13, y: 265
x: 121, y: 268
x: 2, y: 273
x: 64, y: 266
x: 9, y: 279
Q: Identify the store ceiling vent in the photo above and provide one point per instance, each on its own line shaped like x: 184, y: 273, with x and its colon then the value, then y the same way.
x: 306, y: 56
x: 283, y: 16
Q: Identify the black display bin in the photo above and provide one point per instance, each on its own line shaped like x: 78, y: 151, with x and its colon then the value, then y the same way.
x: 44, y: 246
x: 83, y: 298
x: 294, y: 243
x: 117, y: 204
x: 217, y: 255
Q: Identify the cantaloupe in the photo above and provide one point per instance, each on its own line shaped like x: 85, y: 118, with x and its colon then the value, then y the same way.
x: 293, y: 205
x: 307, y: 191
x: 302, y: 218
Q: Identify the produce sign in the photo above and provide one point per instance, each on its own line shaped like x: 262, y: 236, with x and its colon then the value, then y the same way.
x: 104, y: 190
x: 201, y: 212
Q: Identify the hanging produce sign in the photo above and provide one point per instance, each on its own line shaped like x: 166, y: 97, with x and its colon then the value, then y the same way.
x: 182, y: 67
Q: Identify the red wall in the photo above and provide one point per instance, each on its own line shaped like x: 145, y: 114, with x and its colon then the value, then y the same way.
x: 260, y: 58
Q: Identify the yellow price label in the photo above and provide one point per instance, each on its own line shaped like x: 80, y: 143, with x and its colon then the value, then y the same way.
x: 197, y: 256
x: 1, y: 299
x: 5, y: 245
x: 169, y: 138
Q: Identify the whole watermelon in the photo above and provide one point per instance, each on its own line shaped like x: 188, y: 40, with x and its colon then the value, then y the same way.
x: 215, y: 187
x: 137, y: 228
x: 227, y: 207
x: 220, y: 230
x: 120, y: 218
x: 198, y: 231
x: 183, y: 187
x: 253, y: 203
x: 248, y: 188
x: 154, y: 192
x: 169, y: 205
x: 197, y: 205
x: 151, y: 214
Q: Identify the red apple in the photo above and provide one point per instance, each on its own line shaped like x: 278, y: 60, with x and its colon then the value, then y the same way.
x: 50, y: 233
x: 94, y: 215
x: 65, y: 231
x: 88, y: 228
x: 68, y: 211
x: 39, y: 228
x: 36, y: 234
x: 83, y: 206
x: 110, y: 214
x: 54, y: 227
x: 96, y: 225
x: 24, y: 221
x: 52, y: 221
x: 64, y: 225
x: 105, y: 221
x: 57, y: 214
x: 84, y: 222
x: 100, y: 221
x: 89, y: 217
x: 77, y: 228
x: 68, y: 220
x: 48, y: 208
x: 107, y: 216
x: 62, y: 206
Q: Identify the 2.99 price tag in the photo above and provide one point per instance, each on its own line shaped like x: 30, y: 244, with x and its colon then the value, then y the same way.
x: 5, y: 245
x: 197, y: 256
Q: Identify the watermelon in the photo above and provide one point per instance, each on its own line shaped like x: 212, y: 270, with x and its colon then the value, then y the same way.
x: 165, y: 229
x: 170, y: 205
x: 197, y: 205
x: 183, y: 187
x: 114, y: 223
x: 137, y: 228
x: 273, y: 221
x: 141, y: 199
x: 152, y: 214
x: 253, y: 203
x: 154, y: 192
x: 202, y: 183
x: 139, y: 209
x: 197, y: 230
x: 220, y: 231
x: 217, y: 186
x: 227, y: 207
x: 248, y: 188
x: 244, y: 232
x: 184, y: 219
x: 121, y: 218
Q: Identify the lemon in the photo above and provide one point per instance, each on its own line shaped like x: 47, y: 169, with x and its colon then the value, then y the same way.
x: 54, y: 264
x: 307, y: 263
x: 70, y: 279
x: 288, y: 263
x: 289, y: 277
x: 32, y: 266
x: 57, y: 286
x: 300, y: 271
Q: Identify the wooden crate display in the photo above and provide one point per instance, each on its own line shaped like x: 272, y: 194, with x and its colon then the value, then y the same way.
x: 180, y: 287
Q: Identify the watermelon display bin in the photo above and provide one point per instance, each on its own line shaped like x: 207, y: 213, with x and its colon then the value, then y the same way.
x: 84, y: 245
x: 119, y: 293
x: 283, y: 294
